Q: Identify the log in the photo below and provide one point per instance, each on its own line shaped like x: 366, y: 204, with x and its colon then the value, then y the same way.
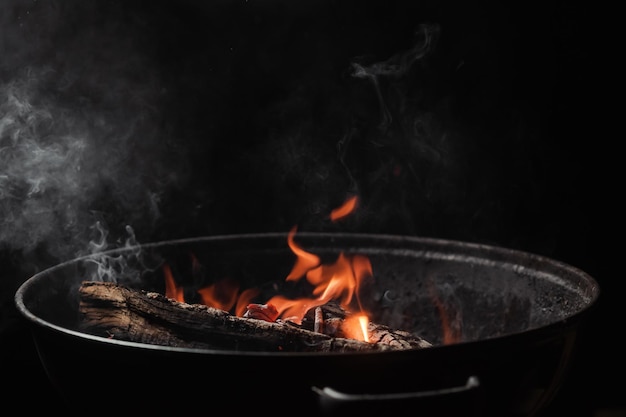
x: 332, y: 315
x: 119, y: 312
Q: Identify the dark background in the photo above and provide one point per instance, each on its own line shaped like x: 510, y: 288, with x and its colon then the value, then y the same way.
x: 183, y: 119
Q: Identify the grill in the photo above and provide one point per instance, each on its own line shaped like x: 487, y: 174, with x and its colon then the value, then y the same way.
x: 518, y: 316
x: 205, y: 119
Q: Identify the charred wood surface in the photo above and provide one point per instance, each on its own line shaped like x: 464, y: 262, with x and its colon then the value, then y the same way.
x: 123, y: 313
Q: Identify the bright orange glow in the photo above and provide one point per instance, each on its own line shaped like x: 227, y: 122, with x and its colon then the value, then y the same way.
x: 171, y: 289
x: 362, y: 268
x: 339, y: 281
x: 355, y: 327
x: 222, y: 294
x: 346, y: 208
x: 294, y: 310
x: 304, y: 261
x: 244, y: 299
x: 336, y: 281
x: 266, y: 312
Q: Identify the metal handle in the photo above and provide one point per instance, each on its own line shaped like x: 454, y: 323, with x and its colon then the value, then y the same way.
x: 457, y: 400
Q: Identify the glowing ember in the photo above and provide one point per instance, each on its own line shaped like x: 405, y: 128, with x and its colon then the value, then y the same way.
x: 265, y: 312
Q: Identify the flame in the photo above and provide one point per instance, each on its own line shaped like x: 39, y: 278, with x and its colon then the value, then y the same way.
x: 346, y: 208
x: 339, y: 281
x: 244, y: 299
x: 336, y: 281
x: 222, y: 294
x: 355, y: 327
x: 305, y: 261
x: 172, y: 290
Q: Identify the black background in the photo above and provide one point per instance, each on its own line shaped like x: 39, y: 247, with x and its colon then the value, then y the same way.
x: 517, y: 147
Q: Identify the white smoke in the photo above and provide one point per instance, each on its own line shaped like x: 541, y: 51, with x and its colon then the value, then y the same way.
x: 82, y: 136
x: 397, y: 66
x: 41, y: 178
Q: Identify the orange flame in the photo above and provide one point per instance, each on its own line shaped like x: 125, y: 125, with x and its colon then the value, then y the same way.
x: 244, y: 299
x: 340, y: 281
x: 222, y: 294
x: 304, y: 262
x: 346, y: 208
x: 337, y: 281
x: 171, y: 289
x: 355, y: 327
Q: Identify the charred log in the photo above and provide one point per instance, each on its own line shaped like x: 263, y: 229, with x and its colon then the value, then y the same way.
x: 329, y: 319
x: 123, y: 313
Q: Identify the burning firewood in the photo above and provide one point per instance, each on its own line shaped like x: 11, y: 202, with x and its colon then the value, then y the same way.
x: 265, y: 312
x: 123, y: 313
x: 329, y: 319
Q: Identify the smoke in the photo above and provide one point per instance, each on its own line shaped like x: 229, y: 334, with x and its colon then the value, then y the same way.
x: 132, y: 121
x: 246, y: 117
x: 83, y: 134
x: 358, y: 123
x: 397, y: 66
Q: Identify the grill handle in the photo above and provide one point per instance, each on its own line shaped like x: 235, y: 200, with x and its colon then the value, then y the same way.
x: 460, y: 400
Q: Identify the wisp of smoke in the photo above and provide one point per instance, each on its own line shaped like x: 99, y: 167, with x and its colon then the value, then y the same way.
x: 81, y: 130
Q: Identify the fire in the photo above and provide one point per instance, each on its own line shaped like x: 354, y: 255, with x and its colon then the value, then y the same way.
x: 304, y: 262
x: 222, y: 294
x: 171, y: 289
x: 339, y: 281
x: 346, y: 208
x: 355, y: 327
